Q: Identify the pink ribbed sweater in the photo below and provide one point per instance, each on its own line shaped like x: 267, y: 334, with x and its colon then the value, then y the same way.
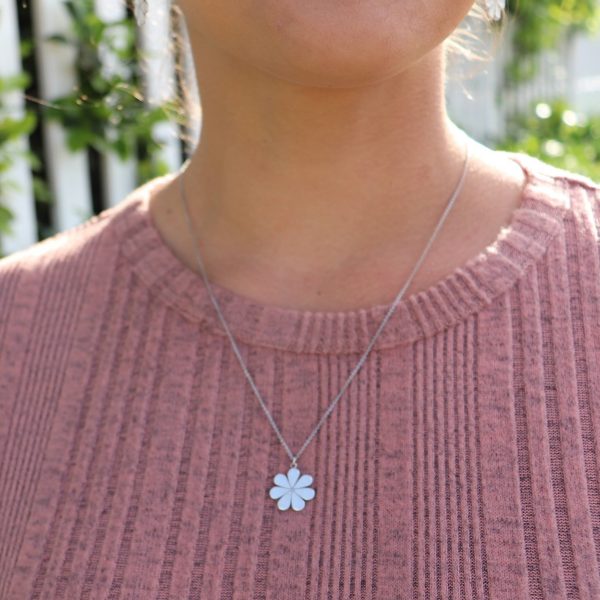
x: 463, y: 462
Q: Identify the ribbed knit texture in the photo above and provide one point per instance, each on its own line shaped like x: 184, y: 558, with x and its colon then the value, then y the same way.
x: 463, y: 462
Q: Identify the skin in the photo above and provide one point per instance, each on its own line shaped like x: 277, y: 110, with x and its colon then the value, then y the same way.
x: 327, y: 156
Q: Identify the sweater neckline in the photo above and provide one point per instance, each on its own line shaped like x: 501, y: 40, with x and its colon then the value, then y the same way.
x: 464, y: 291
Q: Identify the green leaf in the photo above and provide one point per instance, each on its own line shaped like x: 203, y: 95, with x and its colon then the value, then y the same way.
x: 59, y: 39
x: 6, y: 216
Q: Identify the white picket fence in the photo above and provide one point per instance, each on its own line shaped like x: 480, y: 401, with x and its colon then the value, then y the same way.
x: 572, y: 71
x: 20, y: 200
x: 68, y: 172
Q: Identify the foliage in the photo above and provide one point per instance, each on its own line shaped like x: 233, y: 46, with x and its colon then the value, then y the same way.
x: 12, y: 129
x: 540, y: 25
x: 106, y: 110
x: 558, y: 135
x: 552, y: 131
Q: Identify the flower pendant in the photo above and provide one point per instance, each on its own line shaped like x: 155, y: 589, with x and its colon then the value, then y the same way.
x: 292, y: 490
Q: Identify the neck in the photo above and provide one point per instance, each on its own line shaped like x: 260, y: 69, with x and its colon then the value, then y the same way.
x: 303, y: 188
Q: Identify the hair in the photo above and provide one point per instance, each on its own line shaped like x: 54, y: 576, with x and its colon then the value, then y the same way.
x: 462, y: 44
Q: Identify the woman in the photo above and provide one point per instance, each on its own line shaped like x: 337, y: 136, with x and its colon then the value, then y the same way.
x: 241, y: 382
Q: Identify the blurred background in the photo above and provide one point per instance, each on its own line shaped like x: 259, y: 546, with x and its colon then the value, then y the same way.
x: 92, y: 106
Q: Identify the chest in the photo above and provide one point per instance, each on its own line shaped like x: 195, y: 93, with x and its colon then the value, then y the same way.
x: 464, y: 465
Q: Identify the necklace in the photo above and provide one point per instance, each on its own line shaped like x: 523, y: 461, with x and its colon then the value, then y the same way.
x: 294, y: 488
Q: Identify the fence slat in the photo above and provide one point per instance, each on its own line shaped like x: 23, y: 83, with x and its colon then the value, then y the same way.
x: 159, y: 80
x: 17, y: 198
x: 119, y: 176
x: 585, y: 62
x: 68, y: 172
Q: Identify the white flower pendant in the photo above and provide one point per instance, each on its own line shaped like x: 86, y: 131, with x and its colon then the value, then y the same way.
x: 292, y: 490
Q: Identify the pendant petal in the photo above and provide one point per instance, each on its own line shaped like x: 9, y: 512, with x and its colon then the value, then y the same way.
x: 276, y: 492
x: 281, y: 480
x: 284, y: 502
x: 304, y: 481
x: 305, y: 493
x: 292, y: 476
x: 297, y: 502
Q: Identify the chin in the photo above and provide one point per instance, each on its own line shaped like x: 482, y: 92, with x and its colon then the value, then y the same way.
x: 320, y: 65
x: 336, y: 53
x: 326, y: 43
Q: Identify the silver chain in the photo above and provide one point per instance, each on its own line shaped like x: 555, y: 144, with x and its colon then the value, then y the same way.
x: 294, y: 457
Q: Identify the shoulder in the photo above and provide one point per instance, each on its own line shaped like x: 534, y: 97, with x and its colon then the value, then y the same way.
x: 561, y: 178
x: 39, y: 282
x: 62, y: 277
x: 41, y: 278
x: 583, y: 194
x: 66, y: 256
x: 58, y: 250
x: 572, y: 196
x: 56, y: 293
